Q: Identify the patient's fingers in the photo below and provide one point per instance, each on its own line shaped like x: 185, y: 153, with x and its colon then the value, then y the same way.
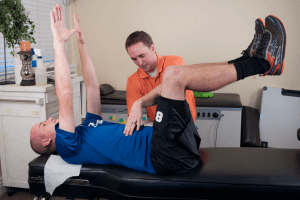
x: 55, y: 14
x: 75, y: 20
x: 52, y: 18
x: 61, y: 14
x: 58, y: 12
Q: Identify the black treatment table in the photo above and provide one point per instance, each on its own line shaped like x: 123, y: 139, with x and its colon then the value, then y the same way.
x: 223, y: 173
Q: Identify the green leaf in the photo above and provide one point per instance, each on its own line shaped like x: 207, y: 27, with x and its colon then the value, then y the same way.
x: 14, y: 22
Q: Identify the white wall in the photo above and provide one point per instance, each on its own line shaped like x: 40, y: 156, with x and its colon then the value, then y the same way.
x: 199, y: 31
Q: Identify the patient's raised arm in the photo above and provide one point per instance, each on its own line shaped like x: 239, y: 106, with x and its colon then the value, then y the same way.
x: 88, y: 71
x: 63, y: 82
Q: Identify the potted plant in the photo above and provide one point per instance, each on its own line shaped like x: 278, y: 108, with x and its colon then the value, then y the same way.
x: 15, y: 24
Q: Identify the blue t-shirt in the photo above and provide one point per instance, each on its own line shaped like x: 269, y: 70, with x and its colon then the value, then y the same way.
x: 99, y: 142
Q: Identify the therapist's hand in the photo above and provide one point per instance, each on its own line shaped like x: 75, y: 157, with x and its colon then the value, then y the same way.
x: 134, y: 119
x: 79, y: 34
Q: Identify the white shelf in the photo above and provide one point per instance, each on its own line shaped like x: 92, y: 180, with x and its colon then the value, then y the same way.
x: 33, y: 88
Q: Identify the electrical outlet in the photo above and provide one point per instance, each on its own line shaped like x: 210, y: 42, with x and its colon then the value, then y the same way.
x: 208, y: 114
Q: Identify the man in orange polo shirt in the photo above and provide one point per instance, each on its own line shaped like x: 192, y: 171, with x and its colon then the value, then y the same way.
x: 141, y: 50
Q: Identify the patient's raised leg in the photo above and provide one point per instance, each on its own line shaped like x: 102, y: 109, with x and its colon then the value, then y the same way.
x: 267, y: 60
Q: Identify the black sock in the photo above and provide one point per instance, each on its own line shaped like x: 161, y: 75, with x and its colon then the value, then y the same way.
x: 182, y: 107
x: 250, y: 67
x: 238, y: 59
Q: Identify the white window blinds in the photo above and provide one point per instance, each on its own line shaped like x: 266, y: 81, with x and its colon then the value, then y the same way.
x: 39, y: 13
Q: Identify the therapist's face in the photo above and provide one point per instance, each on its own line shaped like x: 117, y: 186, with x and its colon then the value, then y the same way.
x: 143, y: 56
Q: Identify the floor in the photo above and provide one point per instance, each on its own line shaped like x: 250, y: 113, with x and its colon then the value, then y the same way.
x: 23, y: 194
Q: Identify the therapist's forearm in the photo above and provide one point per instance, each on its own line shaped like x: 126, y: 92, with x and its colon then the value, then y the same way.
x: 150, y: 99
x: 88, y: 70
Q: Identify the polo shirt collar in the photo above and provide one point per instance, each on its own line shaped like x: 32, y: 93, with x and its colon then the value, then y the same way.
x: 160, y: 62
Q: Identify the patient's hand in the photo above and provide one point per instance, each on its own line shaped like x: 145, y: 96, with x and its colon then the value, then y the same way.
x: 79, y: 34
x: 134, y: 119
x: 60, y: 32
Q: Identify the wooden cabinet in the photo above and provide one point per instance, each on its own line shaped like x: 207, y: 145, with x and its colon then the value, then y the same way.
x: 20, y: 108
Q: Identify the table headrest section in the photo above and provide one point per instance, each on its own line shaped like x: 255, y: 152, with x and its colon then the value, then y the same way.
x: 106, y: 89
x: 118, y: 97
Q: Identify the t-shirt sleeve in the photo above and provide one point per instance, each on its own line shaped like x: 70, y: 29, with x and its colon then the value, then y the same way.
x: 178, y: 61
x: 133, y: 92
x: 90, y: 116
x: 67, y: 144
x: 70, y: 144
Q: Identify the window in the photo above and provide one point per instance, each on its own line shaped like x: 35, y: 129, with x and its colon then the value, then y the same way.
x: 39, y: 13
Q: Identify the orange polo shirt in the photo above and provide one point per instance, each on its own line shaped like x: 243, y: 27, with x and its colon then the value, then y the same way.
x: 140, y: 83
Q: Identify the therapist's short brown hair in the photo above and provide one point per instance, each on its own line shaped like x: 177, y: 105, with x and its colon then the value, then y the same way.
x: 136, y: 37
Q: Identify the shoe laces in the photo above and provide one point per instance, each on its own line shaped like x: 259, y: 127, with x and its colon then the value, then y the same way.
x: 247, y: 52
x: 261, y: 46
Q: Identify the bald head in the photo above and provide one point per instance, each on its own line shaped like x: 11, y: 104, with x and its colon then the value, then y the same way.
x: 42, y: 137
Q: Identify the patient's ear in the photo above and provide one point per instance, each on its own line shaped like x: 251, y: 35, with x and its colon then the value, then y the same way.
x: 46, y: 142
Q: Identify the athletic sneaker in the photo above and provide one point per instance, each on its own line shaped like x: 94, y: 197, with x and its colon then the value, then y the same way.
x: 259, y: 30
x: 272, y: 46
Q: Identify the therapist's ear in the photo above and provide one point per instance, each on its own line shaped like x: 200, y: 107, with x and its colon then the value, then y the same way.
x: 152, y: 48
x: 46, y: 142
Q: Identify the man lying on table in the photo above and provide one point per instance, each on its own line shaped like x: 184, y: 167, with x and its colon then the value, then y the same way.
x: 171, y: 145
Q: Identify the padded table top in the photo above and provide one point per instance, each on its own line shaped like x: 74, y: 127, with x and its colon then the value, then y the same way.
x: 223, y: 172
x: 225, y: 100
